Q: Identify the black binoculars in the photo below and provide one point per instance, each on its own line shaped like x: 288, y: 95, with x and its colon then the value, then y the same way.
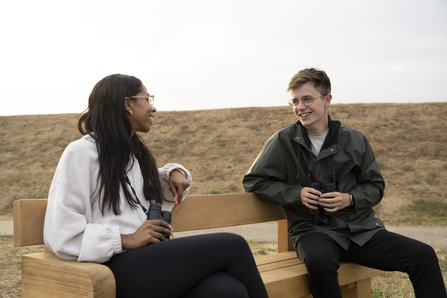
x: 324, y: 188
x: 155, y: 212
x: 320, y: 214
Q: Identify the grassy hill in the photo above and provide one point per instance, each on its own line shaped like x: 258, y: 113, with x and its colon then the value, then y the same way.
x: 218, y: 147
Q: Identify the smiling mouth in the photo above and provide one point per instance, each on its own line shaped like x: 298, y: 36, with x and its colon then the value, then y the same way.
x: 304, y: 115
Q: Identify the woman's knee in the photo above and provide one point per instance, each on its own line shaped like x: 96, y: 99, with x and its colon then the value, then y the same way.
x: 237, y: 240
x: 218, y: 285
x: 232, y: 241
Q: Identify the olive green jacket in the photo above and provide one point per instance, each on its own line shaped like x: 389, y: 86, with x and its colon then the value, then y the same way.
x: 286, y: 163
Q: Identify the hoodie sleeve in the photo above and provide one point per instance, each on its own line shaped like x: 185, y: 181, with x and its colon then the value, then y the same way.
x: 164, y: 173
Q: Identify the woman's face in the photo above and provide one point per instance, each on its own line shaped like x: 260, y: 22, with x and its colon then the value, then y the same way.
x: 142, y: 112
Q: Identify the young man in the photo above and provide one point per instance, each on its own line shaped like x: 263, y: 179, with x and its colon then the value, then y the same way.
x: 327, y: 179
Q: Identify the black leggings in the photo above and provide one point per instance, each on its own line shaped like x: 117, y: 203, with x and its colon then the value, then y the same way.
x: 215, y: 265
x: 385, y: 251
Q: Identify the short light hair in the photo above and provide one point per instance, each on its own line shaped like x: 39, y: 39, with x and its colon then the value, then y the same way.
x: 319, y: 77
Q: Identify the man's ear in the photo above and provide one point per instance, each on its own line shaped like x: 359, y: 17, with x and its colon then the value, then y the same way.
x: 327, y: 100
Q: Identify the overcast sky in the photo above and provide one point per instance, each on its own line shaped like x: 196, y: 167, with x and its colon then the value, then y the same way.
x: 220, y: 54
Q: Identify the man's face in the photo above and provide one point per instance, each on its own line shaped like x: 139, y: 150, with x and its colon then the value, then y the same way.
x: 314, y: 116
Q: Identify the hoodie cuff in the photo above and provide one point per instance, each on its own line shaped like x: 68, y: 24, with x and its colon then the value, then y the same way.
x: 116, y: 240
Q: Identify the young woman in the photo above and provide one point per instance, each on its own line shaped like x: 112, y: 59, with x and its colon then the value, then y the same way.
x: 103, y: 185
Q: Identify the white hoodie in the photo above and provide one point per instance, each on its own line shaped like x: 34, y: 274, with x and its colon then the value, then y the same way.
x: 75, y: 228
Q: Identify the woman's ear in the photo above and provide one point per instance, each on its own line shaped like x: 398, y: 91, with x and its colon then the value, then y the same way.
x: 129, y: 105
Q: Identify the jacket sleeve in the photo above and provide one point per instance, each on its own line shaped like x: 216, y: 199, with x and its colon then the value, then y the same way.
x: 69, y: 229
x: 267, y: 177
x: 370, y: 184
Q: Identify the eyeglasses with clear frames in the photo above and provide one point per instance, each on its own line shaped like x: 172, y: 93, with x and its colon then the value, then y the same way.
x: 306, y: 100
x: 149, y: 98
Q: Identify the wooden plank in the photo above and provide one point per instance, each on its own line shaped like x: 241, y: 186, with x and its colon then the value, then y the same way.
x: 29, y: 216
x: 362, y: 289
x: 292, y: 281
x: 196, y: 213
x: 262, y: 260
x: 284, y: 241
x: 45, y: 275
x: 279, y: 265
x: 47, y: 250
x: 350, y: 291
x: 287, y: 282
x: 354, y: 279
x: 350, y: 273
x: 223, y: 210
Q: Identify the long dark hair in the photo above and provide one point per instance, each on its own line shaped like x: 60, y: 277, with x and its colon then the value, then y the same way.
x: 106, y: 121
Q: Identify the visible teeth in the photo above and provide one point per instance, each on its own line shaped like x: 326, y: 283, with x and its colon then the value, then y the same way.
x: 304, y: 115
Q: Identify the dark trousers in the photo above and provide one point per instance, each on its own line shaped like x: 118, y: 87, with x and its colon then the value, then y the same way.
x: 385, y: 251
x: 214, y: 266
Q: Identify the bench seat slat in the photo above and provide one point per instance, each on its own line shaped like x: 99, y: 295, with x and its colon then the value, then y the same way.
x: 279, y: 265
x: 267, y: 259
x: 285, y: 281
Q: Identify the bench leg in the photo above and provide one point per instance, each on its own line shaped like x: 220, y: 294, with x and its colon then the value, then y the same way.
x: 360, y: 289
x: 284, y: 241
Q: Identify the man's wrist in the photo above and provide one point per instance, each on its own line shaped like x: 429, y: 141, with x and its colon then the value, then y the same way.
x: 351, y: 199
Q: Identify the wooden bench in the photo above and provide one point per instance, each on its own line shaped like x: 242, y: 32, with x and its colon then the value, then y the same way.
x: 46, y: 275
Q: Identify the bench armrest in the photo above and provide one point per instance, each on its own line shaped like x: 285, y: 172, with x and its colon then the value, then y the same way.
x: 46, y: 275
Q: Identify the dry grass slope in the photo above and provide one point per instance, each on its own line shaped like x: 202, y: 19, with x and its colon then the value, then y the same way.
x: 218, y: 146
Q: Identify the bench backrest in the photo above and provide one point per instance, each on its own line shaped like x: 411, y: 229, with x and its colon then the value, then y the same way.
x: 195, y: 213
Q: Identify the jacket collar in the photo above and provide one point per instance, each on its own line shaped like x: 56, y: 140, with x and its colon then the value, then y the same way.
x: 331, y: 138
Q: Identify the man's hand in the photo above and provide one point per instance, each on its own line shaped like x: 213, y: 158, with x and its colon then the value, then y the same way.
x: 310, y: 197
x: 334, y: 201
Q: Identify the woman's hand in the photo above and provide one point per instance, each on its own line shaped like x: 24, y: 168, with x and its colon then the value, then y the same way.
x: 149, y: 232
x: 178, y: 183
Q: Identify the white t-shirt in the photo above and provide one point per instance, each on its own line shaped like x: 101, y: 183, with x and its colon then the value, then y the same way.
x: 317, y: 141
